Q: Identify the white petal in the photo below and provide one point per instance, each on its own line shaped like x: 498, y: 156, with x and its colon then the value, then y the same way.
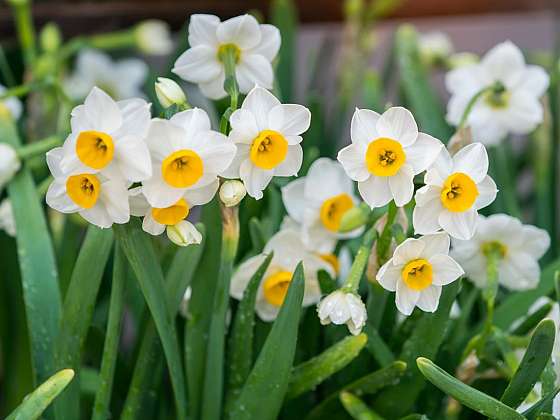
x: 100, y: 112
x: 255, y: 179
x: 163, y: 139
x: 241, y: 155
x: 325, y: 179
x: 198, y: 65
x: 459, y: 225
x: 149, y: 225
x: 158, y: 193
x: 130, y: 75
x: 388, y: 275
x: 523, y: 114
x: 202, y: 30
x: 214, y: 89
x: 243, y: 127
x: 535, y: 81
x: 406, y: 298
x: 423, y: 152
x: 429, y: 298
x: 397, y: 123
x: 402, y: 185
x: 363, y: 127
x: 504, y: 63
x: 54, y: 157
x: 270, y: 42
x: 114, y: 196
x: 260, y: 102
x: 139, y: 206
x: 200, y: 196
x: 487, y: 191
x: 473, y: 161
x: 352, y: 158
x: 192, y: 121
x: 98, y: 216
x: 464, y: 81
x: 292, y: 163
x: 218, y: 152
x: 133, y: 159
x: 520, y: 272
x: 243, y: 31
x: 445, y: 269
x: 136, y: 118
x: 293, y: 198
x: 410, y: 249
x: 289, y: 119
x: 57, y: 198
x: 254, y: 69
x: 437, y: 243
x: 375, y: 191
x: 440, y: 169
x: 266, y: 311
x: 535, y: 241
x: 425, y: 219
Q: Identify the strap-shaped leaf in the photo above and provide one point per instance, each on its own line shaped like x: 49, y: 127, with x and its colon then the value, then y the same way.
x: 35, y: 403
x: 357, y: 409
x: 541, y: 405
x: 465, y: 394
x: 142, y: 258
x: 262, y: 395
x: 311, y: 373
x: 283, y: 15
x: 533, y: 363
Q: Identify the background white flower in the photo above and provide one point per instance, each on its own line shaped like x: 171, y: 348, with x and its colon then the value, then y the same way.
x: 288, y: 252
x: 186, y: 155
x: 513, y: 107
x: 7, y: 220
x: 154, y: 37
x: 417, y: 272
x: 455, y: 189
x: 255, y: 45
x: 121, y: 79
x: 520, y: 247
x: 9, y: 163
x: 343, y: 308
x: 435, y: 46
x: 386, y: 152
x: 318, y: 202
x: 268, y: 136
x: 12, y: 104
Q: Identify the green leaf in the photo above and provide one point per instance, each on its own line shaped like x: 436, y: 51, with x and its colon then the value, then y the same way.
x: 112, y: 336
x: 465, y: 394
x: 533, y: 412
x: 425, y: 341
x: 284, y: 17
x: 367, y: 385
x: 39, y: 277
x: 357, y: 409
x: 141, y: 257
x: 419, y: 95
x: 149, y: 362
x: 311, y: 373
x: 240, y: 357
x: 326, y: 282
x: 258, y: 236
x: 35, y: 403
x: 534, y: 361
x: 532, y: 320
x: 262, y: 395
x: 377, y: 347
x: 79, y: 304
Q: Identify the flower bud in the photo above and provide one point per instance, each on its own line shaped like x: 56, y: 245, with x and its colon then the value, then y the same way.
x: 342, y: 307
x: 154, y: 37
x: 232, y: 192
x: 7, y: 221
x: 50, y: 37
x: 169, y: 92
x: 462, y: 59
x: 354, y: 218
x: 9, y: 163
x: 184, y: 233
x: 435, y: 47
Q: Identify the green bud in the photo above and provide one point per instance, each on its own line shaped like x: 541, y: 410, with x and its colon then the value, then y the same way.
x: 354, y: 218
x: 50, y: 37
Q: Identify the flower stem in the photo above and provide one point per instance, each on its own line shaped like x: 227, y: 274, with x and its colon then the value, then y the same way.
x: 358, y: 266
x: 107, y: 41
x: 38, y: 147
x: 489, y: 293
x: 25, y: 29
x: 24, y: 89
x: 229, y: 58
x: 474, y: 100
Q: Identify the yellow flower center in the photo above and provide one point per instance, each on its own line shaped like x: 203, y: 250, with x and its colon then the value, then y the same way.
x: 417, y: 274
x: 332, y: 260
x: 494, y: 247
x: 95, y: 149
x: 333, y: 209
x: 182, y: 168
x: 171, y: 215
x: 498, y: 97
x: 384, y: 157
x: 83, y: 189
x: 276, y: 286
x: 269, y: 149
x: 226, y: 48
x: 459, y: 192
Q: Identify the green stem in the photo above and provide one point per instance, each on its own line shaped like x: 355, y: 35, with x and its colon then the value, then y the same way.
x: 489, y: 293
x: 384, y: 242
x: 24, y: 89
x: 358, y: 266
x: 472, y: 103
x: 502, y: 158
x: 229, y: 58
x: 25, y: 29
x: 39, y: 147
x: 5, y: 69
x: 107, y: 41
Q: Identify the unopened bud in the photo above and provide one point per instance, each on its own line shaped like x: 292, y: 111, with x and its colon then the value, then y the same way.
x: 354, y: 218
x: 169, y: 92
x: 50, y: 37
x: 232, y: 192
x: 154, y: 37
x: 184, y: 233
x: 462, y: 59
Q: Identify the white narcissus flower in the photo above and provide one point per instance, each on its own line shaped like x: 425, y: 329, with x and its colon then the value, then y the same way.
x: 156, y: 219
x: 513, y: 106
x: 434, y: 46
x: 9, y: 163
x: 318, y: 202
x: 255, y: 47
x: 122, y: 79
x: 186, y: 155
x: 342, y: 307
x: 456, y: 188
x: 417, y: 272
x: 98, y: 199
x: 7, y: 220
x: 12, y: 105
x: 184, y: 233
x: 154, y: 37
x: 268, y: 136
x: 108, y: 137
x: 288, y: 252
x: 519, y: 246
x: 386, y: 152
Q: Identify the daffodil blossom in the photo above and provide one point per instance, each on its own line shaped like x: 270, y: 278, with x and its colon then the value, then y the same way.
x: 122, y: 79
x: 318, y: 202
x: 11, y: 104
x: 254, y: 45
x: 386, y: 152
x: 519, y: 247
x: 98, y: 199
x: 342, y: 307
x: 510, y: 105
x: 288, y: 252
x: 155, y: 219
x: 108, y: 137
x: 456, y: 188
x: 268, y: 136
x: 186, y: 155
x: 417, y: 272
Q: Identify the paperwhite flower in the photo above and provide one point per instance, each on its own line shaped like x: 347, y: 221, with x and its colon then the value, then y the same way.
x: 122, y: 79
x: 186, y: 155
x: 169, y: 92
x: 99, y: 200
x: 520, y: 247
x: 418, y: 270
x: 7, y: 220
x: 155, y: 219
x: 288, y: 252
x: 9, y: 163
x: 268, y: 136
x: 12, y: 105
x: 434, y: 46
x: 386, y: 152
x: 154, y: 37
x: 343, y: 308
x: 255, y: 47
x: 513, y: 107
x: 455, y: 189
x: 108, y: 137
x: 184, y: 233
x: 232, y: 192
x: 318, y: 202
